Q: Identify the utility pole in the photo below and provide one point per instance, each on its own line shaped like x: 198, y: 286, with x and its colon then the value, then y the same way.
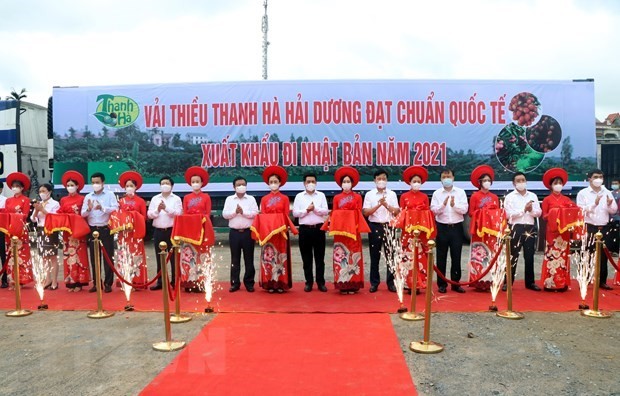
x: 265, y: 28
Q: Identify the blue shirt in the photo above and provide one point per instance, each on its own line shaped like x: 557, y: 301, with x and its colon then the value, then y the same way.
x: 101, y: 216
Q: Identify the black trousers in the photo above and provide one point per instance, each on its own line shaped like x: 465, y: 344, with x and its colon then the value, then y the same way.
x: 523, y: 236
x: 3, y: 256
x: 608, y: 237
x: 312, y: 249
x: 614, y: 235
x: 107, y: 241
x: 163, y: 235
x: 241, y: 242
x: 449, y: 237
x: 376, y: 242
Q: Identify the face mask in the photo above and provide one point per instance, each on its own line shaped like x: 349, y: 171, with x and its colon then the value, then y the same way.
x: 346, y: 186
x: 165, y: 188
x: 274, y: 186
x: 381, y: 184
x: 597, y: 182
x: 44, y: 196
x: 521, y: 186
x: 71, y: 189
x: 486, y: 185
x: 130, y: 190
x: 557, y: 187
x: 311, y: 187
x: 447, y: 182
x: 97, y: 187
x: 196, y: 186
x: 16, y: 190
x: 615, y: 187
x: 415, y: 186
x: 241, y: 189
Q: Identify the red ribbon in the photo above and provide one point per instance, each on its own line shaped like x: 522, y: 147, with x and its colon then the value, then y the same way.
x: 484, y: 273
x: 120, y: 277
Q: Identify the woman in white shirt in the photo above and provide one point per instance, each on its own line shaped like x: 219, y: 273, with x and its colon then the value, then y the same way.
x: 48, y: 244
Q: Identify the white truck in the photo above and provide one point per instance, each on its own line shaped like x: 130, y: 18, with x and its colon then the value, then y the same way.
x: 24, y: 142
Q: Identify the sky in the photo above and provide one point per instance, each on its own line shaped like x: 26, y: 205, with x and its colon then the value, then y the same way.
x: 83, y: 43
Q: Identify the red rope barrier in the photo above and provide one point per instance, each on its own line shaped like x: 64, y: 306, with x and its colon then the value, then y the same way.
x: 484, y: 273
x: 3, y: 270
x: 610, y: 258
x: 120, y: 277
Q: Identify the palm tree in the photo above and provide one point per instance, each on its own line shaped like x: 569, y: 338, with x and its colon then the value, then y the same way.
x: 17, y: 96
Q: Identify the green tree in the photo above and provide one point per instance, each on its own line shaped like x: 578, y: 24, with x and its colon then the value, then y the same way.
x: 566, y: 152
x: 14, y: 95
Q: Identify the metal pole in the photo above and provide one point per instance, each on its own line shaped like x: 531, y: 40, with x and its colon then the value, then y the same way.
x: 19, y: 312
x: 177, y: 317
x: 509, y: 313
x: 168, y: 345
x: 594, y: 312
x: 99, y: 313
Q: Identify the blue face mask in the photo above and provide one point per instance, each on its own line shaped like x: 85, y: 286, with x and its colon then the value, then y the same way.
x: 447, y: 182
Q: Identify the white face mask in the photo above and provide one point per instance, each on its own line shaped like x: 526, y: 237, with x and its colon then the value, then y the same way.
x: 311, y: 187
x: 97, y: 187
x: 597, y: 182
x: 71, y: 189
x: 16, y: 190
x: 521, y: 186
x: 381, y: 184
x: 44, y: 196
x: 165, y: 188
x: 241, y: 189
x: 130, y: 190
x: 346, y: 186
x: 447, y: 182
x: 196, y: 186
x: 274, y: 186
x: 486, y: 185
x: 415, y: 186
x: 557, y: 187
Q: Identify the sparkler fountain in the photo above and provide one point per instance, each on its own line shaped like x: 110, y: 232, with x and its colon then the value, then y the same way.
x: 395, y: 257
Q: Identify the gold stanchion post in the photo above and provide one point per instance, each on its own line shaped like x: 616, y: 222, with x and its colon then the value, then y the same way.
x: 99, y: 313
x: 509, y: 313
x: 177, y: 317
x: 594, y: 312
x: 412, y: 315
x: 19, y: 312
x: 427, y: 346
x: 168, y: 345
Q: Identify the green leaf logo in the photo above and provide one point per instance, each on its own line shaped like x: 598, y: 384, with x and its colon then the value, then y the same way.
x: 116, y: 111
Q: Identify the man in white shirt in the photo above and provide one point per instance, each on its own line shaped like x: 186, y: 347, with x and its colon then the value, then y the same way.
x: 5, y: 282
x: 522, y: 209
x: 310, y: 207
x: 240, y: 210
x: 380, y: 206
x: 449, y: 204
x: 162, y: 210
x: 96, y: 209
x: 598, y: 205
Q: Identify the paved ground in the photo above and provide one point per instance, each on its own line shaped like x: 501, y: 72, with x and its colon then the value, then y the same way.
x: 547, y: 353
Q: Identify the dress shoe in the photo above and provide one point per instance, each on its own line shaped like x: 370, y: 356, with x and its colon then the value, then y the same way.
x: 4, y: 285
x: 308, y: 288
x: 458, y: 289
x: 442, y: 289
x: 280, y: 291
x: 605, y: 286
x: 93, y: 289
x: 392, y: 288
x: 250, y: 289
x: 373, y: 289
x: 533, y: 286
x: 504, y: 287
x: 234, y: 288
x: 155, y: 287
x: 108, y: 289
x: 322, y: 288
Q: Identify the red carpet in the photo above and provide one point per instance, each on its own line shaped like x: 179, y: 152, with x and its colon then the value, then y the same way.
x: 297, y: 301
x: 278, y: 354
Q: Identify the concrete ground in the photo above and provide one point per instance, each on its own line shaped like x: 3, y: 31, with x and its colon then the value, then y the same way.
x: 555, y: 353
